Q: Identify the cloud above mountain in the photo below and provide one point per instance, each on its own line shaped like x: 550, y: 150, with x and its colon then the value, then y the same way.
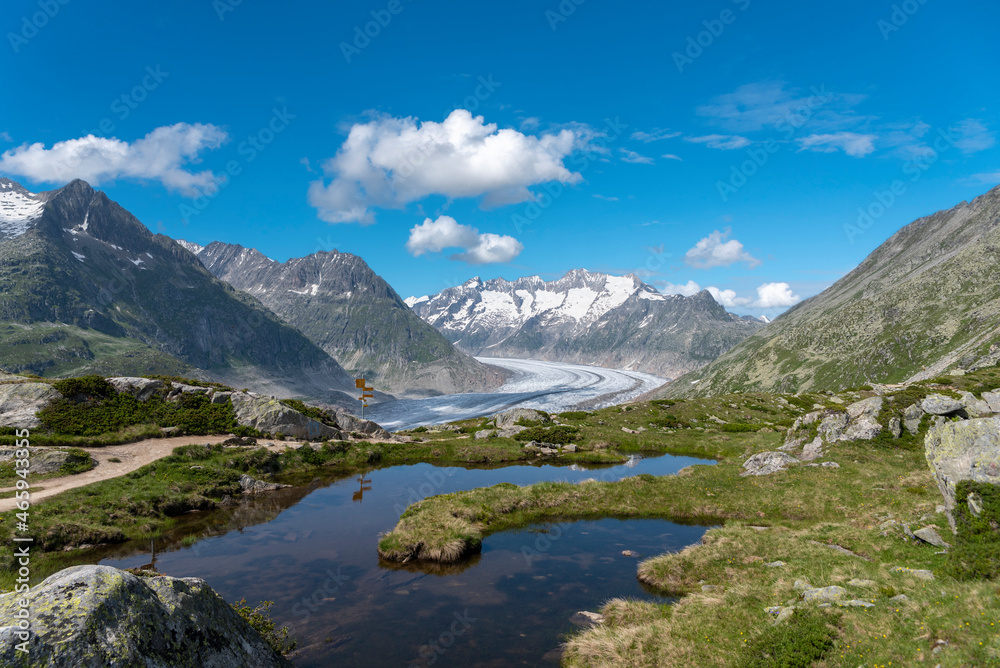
x: 162, y: 155
x: 389, y: 162
x: 433, y: 236
x: 718, y: 250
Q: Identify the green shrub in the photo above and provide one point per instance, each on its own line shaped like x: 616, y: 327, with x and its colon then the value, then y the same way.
x: 558, y: 435
x: 260, y: 619
x: 419, y: 430
x: 976, y: 554
x: 805, y: 638
x: 663, y: 403
x: 90, y: 387
x: 313, y: 412
x: 739, y: 427
x: 670, y: 421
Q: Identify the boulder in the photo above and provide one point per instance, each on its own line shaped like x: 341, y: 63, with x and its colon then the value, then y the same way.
x: 864, y: 429
x: 895, y: 427
x: 19, y: 403
x: 44, y: 460
x: 353, y: 424
x: 813, y: 450
x: 938, y: 404
x: 221, y: 397
x: 965, y: 450
x: 483, y: 434
x: 824, y: 594
x: 806, y: 420
x: 930, y: 535
x: 509, y: 417
x: 866, y: 408
x: 992, y: 399
x: 975, y: 407
x: 177, y: 389
x: 507, y: 432
x: 832, y: 427
x: 912, y: 417
x: 272, y: 416
x: 253, y: 487
x: 97, y: 616
x: 766, y: 463
x: 586, y: 619
x: 140, y: 388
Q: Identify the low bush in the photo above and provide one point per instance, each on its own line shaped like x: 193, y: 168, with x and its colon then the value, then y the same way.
x: 805, y: 638
x: 976, y: 554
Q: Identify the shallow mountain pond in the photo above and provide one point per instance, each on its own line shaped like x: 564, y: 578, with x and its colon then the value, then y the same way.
x: 311, y: 550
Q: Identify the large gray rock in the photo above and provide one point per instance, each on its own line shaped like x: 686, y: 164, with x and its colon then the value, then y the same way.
x: 766, y: 463
x: 253, y: 487
x: 912, y: 417
x: 45, y: 460
x: 509, y: 417
x: 19, y: 403
x: 975, y: 407
x: 938, y: 404
x: 992, y: 399
x: 866, y: 408
x: 355, y: 424
x: 99, y: 616
x: 272, y: 416
x: 863, y: 429
x: 142, y: 389
x: 813, y: 450
x: 965, y: 450
x: 832, y: 427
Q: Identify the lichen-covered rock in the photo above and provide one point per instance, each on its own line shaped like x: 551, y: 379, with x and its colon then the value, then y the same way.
x: 272, y: 416
x: 966, y: 450
x: 832, y: 427
x: 912, y: 417
x: 863, y: 429
x: 993, y: 400
x: 142, y: 389
x: 866, y: 408
x: 509, y: 417
x: 824, y: 594
x: 895, y: 427
x: 353, y: 424
x: 252, y: 486
x: 221, y: 397
x: 975, y: 407
x: 930, y: 535
x: 507, y: 432
x: 483, y: 434
x: 45, y: 460
x: 19, y: 403
x: 98, y: 616
x: 813, y: 450
x: 766, y: 463
x: 938, y: 404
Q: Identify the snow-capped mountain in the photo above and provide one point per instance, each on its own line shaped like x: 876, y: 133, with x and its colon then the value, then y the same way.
x: 585, y: 317
x: 349, y: 311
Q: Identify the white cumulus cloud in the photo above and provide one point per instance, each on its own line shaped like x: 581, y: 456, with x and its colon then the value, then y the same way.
x: 718, y: 250
x: 727, y: 298
x: 433, y: 236
x: 161, y: 155
x: 776, y: 295
x: 389, y: 162
x: 853, y: 144
x: 686, y: 289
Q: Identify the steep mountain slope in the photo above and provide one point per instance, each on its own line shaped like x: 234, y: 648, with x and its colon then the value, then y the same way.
x: 88, y: 289
x: 926, y: 299
x: 349, y: 311
x: 585, y: 318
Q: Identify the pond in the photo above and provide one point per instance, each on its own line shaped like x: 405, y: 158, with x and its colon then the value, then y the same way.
x: 311, y: 550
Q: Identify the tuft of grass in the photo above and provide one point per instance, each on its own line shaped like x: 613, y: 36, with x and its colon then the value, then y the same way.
x: 805, y: 638
x: 259, y: 618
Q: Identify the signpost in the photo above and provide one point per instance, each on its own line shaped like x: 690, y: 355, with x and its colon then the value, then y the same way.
x: 366, y: 394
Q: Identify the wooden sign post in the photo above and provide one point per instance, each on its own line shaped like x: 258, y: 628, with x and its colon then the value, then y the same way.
x: 366, y: 394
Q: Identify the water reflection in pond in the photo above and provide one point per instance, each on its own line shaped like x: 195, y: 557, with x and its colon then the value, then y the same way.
x: 311, y: 550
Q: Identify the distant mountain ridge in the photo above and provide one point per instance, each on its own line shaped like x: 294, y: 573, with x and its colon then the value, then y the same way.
x: 925, y: 300
x: 88, y: 289
x: 349, y: 311
x: 586, y: 318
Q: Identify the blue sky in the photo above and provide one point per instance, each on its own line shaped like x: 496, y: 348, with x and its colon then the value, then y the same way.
x: 731, y: 144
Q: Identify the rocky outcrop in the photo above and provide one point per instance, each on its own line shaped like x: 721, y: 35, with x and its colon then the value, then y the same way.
x: 98, y: 616
x: 938, y: 404
x: 253, y: 487
x: 356, y: 425
x: 766, y: 463
x: 45, y: 460
x: 271, y: 416
x: 965, y: 450
x: 509, y: 418
x: 142, y: 389
x: 19, y: 403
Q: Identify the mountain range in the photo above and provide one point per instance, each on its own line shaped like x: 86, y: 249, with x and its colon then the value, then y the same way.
x: 926, y: 300
x: 346, y: 309
x: 585, y: 318
x: 88, y: 289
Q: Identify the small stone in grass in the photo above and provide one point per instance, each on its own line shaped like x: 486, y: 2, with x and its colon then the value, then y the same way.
x: 775, y: 564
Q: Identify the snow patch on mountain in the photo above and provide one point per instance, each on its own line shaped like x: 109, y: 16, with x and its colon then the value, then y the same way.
x: 18, y: 209
x: 190, y: 247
